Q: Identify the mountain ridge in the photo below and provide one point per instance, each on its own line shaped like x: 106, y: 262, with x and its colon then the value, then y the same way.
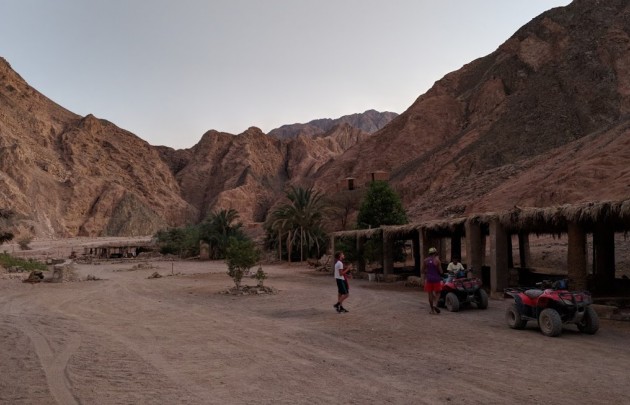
x: 542, y: 120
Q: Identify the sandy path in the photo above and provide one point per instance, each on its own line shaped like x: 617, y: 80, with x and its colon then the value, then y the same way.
x: 127, y: 339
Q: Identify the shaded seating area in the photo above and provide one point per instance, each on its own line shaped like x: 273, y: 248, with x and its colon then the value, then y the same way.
x: 487, y: 241
x: 116, y: 250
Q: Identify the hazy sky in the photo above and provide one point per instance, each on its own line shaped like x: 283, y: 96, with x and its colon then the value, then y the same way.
x: 169, y: 70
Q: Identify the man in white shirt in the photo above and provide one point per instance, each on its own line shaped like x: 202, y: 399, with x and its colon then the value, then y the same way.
x: 455, y: 267
x: 342, y: 284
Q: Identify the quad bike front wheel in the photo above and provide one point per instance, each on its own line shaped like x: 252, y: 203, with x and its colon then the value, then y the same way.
x: 590, y: 321
x: 452, y: 302
x: 441, y: 300
x: 514, y: 319
x: 550, y: 322
x: 482, y: 299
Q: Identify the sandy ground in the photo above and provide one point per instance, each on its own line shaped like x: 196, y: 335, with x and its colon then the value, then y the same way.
x: 128, y: 339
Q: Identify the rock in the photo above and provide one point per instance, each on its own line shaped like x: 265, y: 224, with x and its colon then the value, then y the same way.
x: 35, y: 276
x: 414, y: 281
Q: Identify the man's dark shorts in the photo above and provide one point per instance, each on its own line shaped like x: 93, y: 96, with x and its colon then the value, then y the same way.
x: 342, y: 286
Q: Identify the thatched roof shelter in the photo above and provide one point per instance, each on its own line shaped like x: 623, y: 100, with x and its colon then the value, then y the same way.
x: 440, y: 227
x: 601, y: 219
x: 400, y: 230
x: 556, y: 219
x: 358, y: 233
x: 547, y: 220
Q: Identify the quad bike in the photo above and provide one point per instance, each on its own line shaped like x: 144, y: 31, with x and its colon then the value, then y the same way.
x: 461, y: 289
x: 552, y: 305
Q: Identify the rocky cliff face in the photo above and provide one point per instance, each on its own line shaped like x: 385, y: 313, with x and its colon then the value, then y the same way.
x: 541, y: 121
x: 68, y: 175
x: 250, y: 172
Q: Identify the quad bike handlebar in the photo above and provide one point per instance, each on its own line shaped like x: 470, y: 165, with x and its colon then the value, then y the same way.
x: 562, y: 284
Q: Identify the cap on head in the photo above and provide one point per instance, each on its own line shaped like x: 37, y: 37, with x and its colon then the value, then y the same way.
x: 432, y: 250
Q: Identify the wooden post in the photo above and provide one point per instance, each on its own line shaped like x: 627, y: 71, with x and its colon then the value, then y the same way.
x: 498, y: 258
x: 388, y: 251
x: 510, y: 252
x: 475, y: 248
x: 604, y: 258
x: 524, y: 251
x: 360, y: 254
x: 456, y: 246
x: 576, y: 257
x: 417, y: 260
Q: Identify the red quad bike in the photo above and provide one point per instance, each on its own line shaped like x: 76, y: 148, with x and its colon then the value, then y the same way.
x: 460, y: 290
x: 552, y: 305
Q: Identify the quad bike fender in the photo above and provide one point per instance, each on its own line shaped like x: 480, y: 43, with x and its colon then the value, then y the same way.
x: 543, y: 302
x: 520, y: 298
x: 518, y: 301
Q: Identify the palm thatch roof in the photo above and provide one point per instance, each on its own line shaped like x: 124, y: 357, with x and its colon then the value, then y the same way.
x: 358, y: 233
x: 400, y: 230
x: 556, y: 219
x: 548, y: 220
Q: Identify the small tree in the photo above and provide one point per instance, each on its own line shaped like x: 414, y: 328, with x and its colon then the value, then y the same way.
x: 183, y: 242
x: 218, y: 229
x: 260, y: 275
x: 241, y: 255
x: 381, y: 206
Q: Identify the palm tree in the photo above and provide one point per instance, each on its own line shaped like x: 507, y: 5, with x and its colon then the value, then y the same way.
x: 301, y: 219
x: 218, y: 228
x: 280, y: 223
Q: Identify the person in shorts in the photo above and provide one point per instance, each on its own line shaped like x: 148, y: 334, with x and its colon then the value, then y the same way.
x: 342, y: 283
x: 432, y: 277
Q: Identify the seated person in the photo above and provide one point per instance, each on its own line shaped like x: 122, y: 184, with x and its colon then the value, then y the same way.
x: 456, y: 268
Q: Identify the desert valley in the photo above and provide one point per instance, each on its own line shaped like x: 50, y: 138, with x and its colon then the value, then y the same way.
x: 543, y: 121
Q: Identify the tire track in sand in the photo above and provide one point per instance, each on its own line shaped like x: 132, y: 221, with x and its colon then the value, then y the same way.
x: 53, y: 364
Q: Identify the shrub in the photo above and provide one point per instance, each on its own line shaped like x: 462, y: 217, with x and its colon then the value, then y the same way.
x: 241, y: 255
x: 260, y: 275
x: 6, y: 260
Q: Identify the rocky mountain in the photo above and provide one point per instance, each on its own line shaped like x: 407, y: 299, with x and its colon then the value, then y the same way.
x: 543, y: 120
x: 370, y: 121
x: 249, y: 172
x: 66, y: 175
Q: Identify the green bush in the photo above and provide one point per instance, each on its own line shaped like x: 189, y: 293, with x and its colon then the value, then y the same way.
x: 183, y: 242
x: 260, y: 275
x: 241, y: 255
x: 6, y: 261
x: 218, y: 229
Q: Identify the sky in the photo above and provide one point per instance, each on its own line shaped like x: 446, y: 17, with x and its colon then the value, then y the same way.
x: 170, y: 70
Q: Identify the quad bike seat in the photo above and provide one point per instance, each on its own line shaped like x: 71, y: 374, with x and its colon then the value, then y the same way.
x: 534, y: 293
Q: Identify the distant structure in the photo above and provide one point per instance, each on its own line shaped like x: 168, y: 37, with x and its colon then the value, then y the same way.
x: 351, y: 183
x: 118, y: 250
x: 378, y: 175
x: 492, y: 233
